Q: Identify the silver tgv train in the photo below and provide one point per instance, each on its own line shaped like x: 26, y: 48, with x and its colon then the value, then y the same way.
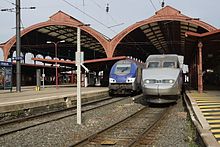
x: 162, y: 79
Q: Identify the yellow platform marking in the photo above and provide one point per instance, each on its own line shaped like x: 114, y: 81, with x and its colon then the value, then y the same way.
x: 213, y: 121
x: 212, y: 117
x: 210, y: 113
x: 214, y: 125
x: 206, y: 97
x: 207, y: 101
x: 210, y: 110
x: 210, y: 106
x: 215, y: 130
x: 209, y: 96
x: 217, y: 135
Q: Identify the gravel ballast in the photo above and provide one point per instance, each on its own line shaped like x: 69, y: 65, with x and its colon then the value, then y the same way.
x: 177, y: 130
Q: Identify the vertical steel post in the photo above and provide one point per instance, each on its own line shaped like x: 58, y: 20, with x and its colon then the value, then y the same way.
x: 18, y: 47
x: 43, y: 75
x: 78, y: 62
x: 200, y: 81
x: 56, y: 65
x: 38, y: 79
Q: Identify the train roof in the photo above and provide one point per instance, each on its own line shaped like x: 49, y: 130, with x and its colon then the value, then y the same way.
x: 125, y: 61
x: 131, y: 61
x: 165, y: 57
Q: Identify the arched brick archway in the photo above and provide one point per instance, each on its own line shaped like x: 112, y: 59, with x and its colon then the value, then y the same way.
x: 61, y: 19
x: 166, y: 14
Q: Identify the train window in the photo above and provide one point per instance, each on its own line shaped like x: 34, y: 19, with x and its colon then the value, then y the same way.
x: 122, y: 69
x: 169, y: 64
x: 153, y: 64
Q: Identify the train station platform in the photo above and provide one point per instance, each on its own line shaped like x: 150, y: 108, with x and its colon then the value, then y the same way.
x: 205, y: 113
x: 13, y: 103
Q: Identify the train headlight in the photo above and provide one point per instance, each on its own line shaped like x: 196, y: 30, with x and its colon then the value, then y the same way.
x: 169, y: 81
x: 150, y: 81
x: 130, y: 80
x: 147, y: 81
x: 111, y: 80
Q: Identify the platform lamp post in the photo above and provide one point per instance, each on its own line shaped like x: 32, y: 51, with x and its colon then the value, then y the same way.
x: 55, y: 45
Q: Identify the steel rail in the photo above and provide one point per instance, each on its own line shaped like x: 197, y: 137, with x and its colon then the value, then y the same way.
x: 59, y: 111
x: 148, y: 130
x: 152, y: 124
x: 49, y: 113
x: 88, y: 139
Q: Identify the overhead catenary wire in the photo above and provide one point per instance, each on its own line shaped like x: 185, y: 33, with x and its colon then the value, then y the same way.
x: 159, y: 1
x: 98, y: 21
x: 89, y: 16
x: 10, y: 2
x: 153, y: 5
x: 114, y: 20
x: 97, y: 4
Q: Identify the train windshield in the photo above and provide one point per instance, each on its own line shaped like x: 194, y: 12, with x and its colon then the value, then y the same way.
x: 122, y: 69
x: 169, y: 64
x: 153, y: 64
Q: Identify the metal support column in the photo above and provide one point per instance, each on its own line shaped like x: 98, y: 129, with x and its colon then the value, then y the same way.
x: 200, y: 81
x: 78, y: 63
x: 18, y: 48
x: 38, y: 79
x: 43, y: 76
x: 56, y: 65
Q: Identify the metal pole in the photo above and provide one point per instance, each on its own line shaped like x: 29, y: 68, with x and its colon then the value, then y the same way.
x: 56, y: 65
x: 43, y: 75
x: 200, y: 80
x: 38, y: 79
x: 78, y: 63
x: 18, y: 48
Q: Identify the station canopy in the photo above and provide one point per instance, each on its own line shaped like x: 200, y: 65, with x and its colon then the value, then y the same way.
x: 67, y: 49
x: 163, y: 33
x: 210, y: 47
x: 59, y: 34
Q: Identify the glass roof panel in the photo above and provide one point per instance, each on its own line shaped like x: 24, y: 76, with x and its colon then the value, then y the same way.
x: 53, y: 34
x: 153, y: 24
x: 147, y: 31
x: 52, y: 28
x: 43, y: 30
x: 156, y: 28
x: 144, y: 27
x: 62, y: 37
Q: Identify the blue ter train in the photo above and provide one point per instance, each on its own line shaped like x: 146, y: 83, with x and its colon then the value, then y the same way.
x: 125, y: 77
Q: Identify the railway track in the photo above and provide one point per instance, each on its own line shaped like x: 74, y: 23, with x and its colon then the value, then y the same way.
x: 21, y: 124
x: 127, y: 132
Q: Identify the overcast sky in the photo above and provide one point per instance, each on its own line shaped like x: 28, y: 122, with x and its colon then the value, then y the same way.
x: 124, y: 12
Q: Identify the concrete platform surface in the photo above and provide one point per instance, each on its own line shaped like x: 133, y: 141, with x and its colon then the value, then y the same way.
x: 29, y: 98
x: 206, y: 108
